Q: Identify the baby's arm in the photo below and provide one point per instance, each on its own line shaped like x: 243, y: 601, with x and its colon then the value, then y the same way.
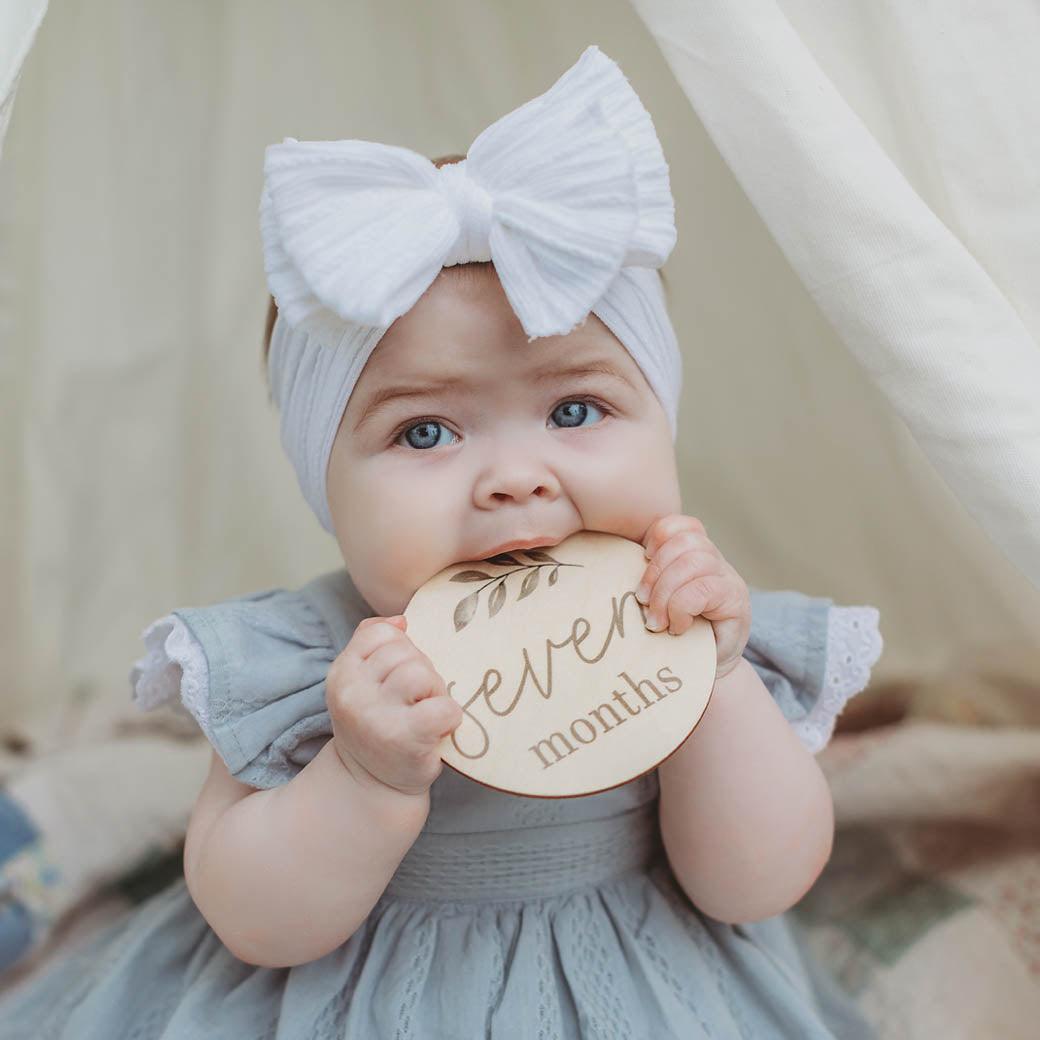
x: 746, y: 812
x: 285, y: 875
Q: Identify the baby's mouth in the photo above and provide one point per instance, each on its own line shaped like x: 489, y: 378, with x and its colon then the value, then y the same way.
x: 538, y: 542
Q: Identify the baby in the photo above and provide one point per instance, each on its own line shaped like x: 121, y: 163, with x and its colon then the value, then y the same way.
x: 338, y: 881
x: 517, y: 443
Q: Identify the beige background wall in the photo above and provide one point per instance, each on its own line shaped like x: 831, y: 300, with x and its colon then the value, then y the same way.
x: 140, y: 467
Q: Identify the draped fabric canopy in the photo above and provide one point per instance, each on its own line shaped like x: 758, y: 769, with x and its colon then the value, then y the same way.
x: 956, y: 353
x: 19, y: 21
x: 853, y: 289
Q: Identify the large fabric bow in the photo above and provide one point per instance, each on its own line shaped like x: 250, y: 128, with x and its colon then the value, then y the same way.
x: 560, y: 194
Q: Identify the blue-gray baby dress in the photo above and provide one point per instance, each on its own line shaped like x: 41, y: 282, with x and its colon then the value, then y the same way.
x: 511, y: 918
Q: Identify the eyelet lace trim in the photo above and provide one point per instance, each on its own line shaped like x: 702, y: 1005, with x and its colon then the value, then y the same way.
x: 854, y: 644
x: 173, y: 671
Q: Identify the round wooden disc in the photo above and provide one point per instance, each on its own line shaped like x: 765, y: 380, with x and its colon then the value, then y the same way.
x: 564, y: 690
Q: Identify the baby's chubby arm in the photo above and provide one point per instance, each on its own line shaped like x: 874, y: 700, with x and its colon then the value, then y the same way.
x: 746, y: 813
x: 285, y: 875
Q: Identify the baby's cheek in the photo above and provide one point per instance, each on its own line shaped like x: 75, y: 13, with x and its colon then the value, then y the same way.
x: 407, y: 540
x: 639, y: 486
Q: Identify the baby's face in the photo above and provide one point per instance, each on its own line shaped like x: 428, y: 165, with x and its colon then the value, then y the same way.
x: 499, y: 442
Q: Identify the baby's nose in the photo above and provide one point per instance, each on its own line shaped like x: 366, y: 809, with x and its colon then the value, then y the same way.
x: 518, y: 483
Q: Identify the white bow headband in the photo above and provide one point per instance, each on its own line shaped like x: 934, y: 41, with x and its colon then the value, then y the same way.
x: 568, y: 195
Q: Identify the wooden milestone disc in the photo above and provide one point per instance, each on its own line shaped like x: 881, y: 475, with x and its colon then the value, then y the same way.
x: 564, y: 690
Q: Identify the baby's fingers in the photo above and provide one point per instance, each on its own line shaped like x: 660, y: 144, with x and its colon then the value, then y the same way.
x: 372, y: 633
x: 434, y: 718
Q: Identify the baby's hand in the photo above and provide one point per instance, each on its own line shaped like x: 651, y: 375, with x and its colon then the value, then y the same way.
x: 390, y: 708
x: 688, y: 576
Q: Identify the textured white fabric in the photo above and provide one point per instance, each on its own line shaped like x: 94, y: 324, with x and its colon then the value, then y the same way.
x: 560, y: 193
x: 930, y: 324
x: 854, y: 645
x: 173, y: 671
x: 568, y: 195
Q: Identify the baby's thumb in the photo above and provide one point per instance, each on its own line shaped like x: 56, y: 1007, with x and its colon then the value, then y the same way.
x: 400, y: 620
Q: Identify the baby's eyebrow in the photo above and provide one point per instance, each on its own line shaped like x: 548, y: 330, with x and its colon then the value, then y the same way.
x: 430, y: 385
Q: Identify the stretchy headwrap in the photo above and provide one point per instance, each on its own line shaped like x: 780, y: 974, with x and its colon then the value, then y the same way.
x: 568, y: 195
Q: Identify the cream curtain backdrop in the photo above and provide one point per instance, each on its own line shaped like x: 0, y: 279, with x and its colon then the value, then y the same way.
x: 19, y: 20
x: 957, y: 355
x: 141, y: 466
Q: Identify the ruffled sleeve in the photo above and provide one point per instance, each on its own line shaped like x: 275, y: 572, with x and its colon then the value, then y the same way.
x: 812, y: 655
x: 251, y: 672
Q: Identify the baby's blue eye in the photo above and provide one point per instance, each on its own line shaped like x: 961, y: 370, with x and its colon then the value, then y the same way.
x: 424, y: 431
x: 427, y: 432
x: 573, y: 412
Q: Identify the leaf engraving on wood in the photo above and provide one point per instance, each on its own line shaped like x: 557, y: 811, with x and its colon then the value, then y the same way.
x: 497, y: 598
x: 466, y: 608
